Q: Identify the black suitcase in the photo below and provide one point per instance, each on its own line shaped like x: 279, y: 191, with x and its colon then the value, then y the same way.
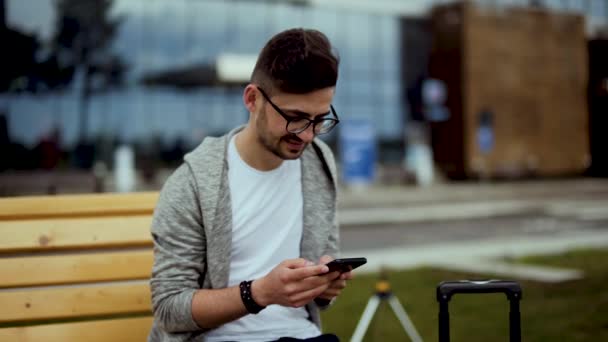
x: 447, y: 289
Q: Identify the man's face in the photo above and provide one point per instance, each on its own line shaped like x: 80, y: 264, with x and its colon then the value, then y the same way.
x: 271, y: 127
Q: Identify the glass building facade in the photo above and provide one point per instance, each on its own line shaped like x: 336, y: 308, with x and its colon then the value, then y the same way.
x: 160, y: 35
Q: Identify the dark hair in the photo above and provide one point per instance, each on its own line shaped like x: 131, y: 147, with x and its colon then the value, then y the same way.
x: 296, y: 61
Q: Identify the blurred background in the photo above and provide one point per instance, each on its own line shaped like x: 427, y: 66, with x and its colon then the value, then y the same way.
x: 472, y: 134
x: 102, y: 95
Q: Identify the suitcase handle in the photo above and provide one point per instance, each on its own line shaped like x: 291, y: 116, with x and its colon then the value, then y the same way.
x: 446, y: 289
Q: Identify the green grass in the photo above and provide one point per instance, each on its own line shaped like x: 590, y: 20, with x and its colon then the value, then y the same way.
x: 570, y: 311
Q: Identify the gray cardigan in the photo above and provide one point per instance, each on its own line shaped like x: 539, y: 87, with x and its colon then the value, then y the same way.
x: 192, y: 232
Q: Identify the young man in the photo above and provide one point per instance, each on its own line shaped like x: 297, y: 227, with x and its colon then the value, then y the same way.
x: 243, y: 229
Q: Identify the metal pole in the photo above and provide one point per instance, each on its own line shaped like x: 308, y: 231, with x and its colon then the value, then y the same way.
x: 514, y: 321
x: 444, y: 322
x: 366, y: 318
x: 402, y: 316
x: 405, y: 320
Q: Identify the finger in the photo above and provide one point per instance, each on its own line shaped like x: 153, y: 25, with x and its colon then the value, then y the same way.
x: 330, y: 294
x: 325, y: 278
x: 331, y: 277
x: 338, y: 284
x: 347, y: 275
x: 307, y: 272
x: 307, y: 295
x: 315, y: 282
x: 318, y: 280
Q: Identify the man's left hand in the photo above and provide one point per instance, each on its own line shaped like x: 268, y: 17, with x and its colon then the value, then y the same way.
x: 338, y: 284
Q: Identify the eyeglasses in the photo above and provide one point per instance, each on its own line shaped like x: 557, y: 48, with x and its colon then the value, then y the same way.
x: 299, y: 124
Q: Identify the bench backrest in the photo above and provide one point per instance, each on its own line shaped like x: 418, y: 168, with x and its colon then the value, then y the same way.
x: 76, y: 267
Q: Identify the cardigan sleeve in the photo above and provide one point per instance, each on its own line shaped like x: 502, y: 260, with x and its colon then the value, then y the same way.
x: 179, y: 252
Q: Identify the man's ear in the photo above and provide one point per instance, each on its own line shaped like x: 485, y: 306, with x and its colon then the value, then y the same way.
x: 250, y: 97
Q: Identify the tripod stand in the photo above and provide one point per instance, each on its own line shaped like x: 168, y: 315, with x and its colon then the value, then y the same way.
x: 383, y: 293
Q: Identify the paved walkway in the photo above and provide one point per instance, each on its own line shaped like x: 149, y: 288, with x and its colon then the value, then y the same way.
x: 576, y: 200
x: 486, y: 256
x: 379, y: 196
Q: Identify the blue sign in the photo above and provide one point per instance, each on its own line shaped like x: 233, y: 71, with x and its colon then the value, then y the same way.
x: 485, y: 131
x: 357, y: 142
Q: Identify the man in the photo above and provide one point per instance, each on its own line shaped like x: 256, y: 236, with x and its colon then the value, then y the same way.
x: 243, y: 229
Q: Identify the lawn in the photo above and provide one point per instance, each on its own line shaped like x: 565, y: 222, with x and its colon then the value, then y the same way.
x: 570, y: 311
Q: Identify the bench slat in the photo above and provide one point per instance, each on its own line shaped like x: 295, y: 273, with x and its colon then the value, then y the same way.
x: 74, y: 301
x: 77, y: 205
x: 92, y: 232
x: 75, y: 268
x: 126, y: 329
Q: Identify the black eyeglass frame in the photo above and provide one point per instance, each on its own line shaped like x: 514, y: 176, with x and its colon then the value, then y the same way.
x: 314, y: 123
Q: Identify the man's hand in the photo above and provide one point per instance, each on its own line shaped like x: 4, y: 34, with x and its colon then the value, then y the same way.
x: 337, y: 285
x: 293, y: 283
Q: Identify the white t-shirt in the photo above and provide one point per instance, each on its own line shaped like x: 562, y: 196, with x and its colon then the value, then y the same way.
x: 267, y: 225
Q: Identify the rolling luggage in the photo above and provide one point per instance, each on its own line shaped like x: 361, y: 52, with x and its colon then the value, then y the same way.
x: 447, y: 289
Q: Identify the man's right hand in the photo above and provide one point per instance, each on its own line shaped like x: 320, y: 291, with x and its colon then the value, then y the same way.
x: 292, y: 283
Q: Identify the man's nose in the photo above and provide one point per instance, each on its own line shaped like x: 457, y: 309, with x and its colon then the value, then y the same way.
x: 308, y: 134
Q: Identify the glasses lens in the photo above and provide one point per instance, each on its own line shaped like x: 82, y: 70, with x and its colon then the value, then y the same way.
x: 297, y: 125
x: 324, y: 126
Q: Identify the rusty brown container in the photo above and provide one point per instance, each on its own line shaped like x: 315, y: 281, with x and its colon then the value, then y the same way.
x: 517, y: 85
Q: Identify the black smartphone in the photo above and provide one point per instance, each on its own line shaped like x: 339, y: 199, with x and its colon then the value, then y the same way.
x: 345, y: 264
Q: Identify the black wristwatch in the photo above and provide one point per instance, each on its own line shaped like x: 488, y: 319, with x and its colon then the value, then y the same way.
x: 250, y: 304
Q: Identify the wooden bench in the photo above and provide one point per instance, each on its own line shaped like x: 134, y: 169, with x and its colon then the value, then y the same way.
x: 76, y: 267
